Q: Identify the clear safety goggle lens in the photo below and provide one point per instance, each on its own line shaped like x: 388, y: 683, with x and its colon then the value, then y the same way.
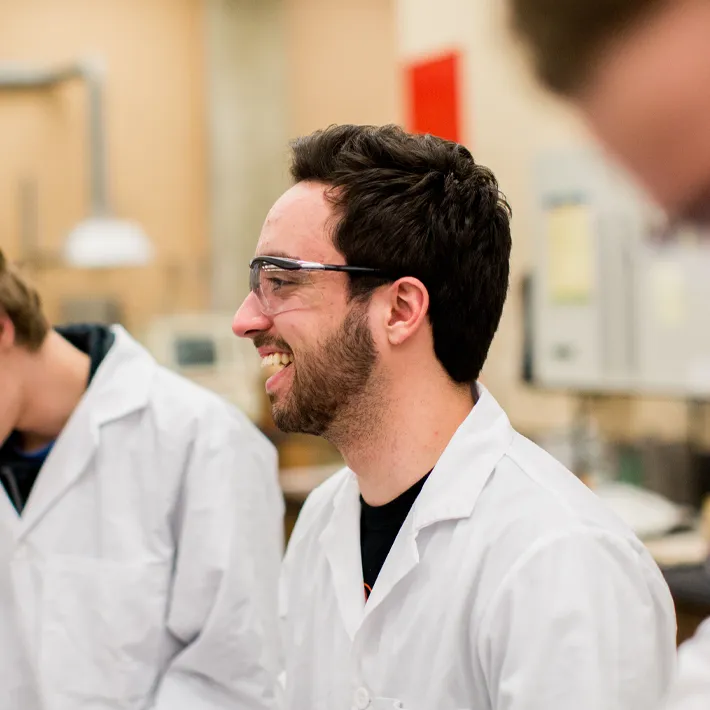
x: 280, y: 290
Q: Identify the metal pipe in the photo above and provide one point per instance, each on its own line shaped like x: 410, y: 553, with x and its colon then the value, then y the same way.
x: 15, y: 76
x: 29, y: 228
x: 21, y: 78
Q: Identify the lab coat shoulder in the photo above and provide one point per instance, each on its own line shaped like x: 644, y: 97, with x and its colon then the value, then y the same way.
x: 181, y: 407
x: 225, y: 450
x: 612, y: 613
x: 540, y: 509
x: 185, y: 414
x: 561, y: 499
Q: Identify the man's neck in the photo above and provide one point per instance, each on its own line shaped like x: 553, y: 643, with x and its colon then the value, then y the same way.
x: 55, y: 381
x: 407, y: 436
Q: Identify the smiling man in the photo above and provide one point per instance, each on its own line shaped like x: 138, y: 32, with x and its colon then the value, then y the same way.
x: 452, y: 564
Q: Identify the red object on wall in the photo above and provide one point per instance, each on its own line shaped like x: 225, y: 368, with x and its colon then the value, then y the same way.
x: 434, y: 96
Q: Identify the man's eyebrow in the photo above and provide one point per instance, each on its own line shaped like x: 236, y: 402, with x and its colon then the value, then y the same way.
x: 281, y: 254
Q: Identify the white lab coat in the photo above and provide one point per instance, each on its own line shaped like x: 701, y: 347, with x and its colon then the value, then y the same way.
x: 143, y: 572
x: 691, y: 691
x: 510, y: 587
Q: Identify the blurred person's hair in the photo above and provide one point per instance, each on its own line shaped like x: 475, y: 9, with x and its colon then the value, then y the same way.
x: 23, y: 306
x: 567, y: 37
x: 416, y: 205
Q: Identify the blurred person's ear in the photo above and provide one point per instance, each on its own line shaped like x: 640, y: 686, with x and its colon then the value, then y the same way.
x: 7, y: 332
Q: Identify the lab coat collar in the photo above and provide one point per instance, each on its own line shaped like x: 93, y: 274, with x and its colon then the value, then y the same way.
x: 455, y: 484
x: 122, y: 382
x: 450, y: 493
x: 121, y: 386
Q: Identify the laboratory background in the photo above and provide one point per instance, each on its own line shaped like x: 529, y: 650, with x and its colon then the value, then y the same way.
x: 143, y: 142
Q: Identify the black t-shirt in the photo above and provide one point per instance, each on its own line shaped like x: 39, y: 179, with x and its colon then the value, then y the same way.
x: 379, y: 526
x: 19, y: 469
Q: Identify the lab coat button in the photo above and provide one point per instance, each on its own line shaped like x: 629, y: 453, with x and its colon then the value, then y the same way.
x: 362, y: 699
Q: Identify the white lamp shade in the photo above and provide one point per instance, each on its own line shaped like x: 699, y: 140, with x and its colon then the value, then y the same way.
x: 106, y: 243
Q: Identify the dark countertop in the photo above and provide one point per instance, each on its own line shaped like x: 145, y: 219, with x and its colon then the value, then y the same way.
x: 689, y: 584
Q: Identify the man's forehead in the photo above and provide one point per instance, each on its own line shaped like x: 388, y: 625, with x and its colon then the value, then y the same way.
x: 299, y: 225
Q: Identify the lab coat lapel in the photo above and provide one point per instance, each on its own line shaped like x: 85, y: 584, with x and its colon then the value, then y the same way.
x: 120, y: 387
x: 455, y: 485
x: 401, y: 560
x: 340, y: 541
x: 9, y: 519
x: 67, y: 460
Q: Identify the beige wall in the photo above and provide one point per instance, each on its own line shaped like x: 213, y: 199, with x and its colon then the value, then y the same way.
x: 248, y: 133
x: 342, y: 63
x: 277, y: 69
x: 201, y: 98
x: 155, y: 125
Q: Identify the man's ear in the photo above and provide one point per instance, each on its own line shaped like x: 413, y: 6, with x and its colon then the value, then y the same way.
x: 7, y: 332
x: 408, y: 308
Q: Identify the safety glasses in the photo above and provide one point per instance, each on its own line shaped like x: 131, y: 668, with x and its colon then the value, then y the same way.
x: 283, y: 284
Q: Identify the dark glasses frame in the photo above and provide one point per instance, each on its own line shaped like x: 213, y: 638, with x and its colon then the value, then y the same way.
x: 278, y: 262
x: 299, y: 265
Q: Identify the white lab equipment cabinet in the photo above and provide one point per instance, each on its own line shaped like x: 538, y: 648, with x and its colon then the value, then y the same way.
x: 616, y: 306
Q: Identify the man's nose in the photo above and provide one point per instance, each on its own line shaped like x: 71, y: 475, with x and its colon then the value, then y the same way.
x: 249, y: 318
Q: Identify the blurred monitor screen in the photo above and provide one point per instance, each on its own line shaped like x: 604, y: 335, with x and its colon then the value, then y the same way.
x: 191, y: 352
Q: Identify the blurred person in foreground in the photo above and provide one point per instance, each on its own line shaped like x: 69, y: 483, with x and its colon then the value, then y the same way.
x: 453, y: 563
x: 639, y: 70
x: 140, y: 528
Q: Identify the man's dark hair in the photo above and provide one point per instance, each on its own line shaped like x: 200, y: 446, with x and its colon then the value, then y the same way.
x: 567, y: 37
x: 419, y: 206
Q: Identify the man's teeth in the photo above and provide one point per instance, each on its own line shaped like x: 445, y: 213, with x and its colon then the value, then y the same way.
x: 279, y: 360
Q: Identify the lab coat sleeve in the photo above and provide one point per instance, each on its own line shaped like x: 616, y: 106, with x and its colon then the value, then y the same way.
x: 223, y: 609
x: 581, y: 621
x: 691, y: 691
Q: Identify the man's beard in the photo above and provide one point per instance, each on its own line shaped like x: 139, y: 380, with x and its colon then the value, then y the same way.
x: 328, y: 381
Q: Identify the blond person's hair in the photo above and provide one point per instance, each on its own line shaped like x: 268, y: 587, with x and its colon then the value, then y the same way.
x: 23, y: 306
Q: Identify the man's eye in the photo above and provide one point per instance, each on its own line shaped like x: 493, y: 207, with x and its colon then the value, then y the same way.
x: 277, y: 283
